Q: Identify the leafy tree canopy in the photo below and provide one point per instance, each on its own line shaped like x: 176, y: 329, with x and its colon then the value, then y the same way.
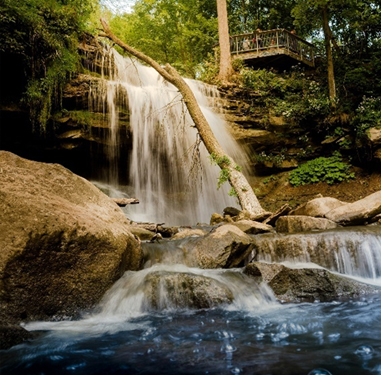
x: 180, y: 32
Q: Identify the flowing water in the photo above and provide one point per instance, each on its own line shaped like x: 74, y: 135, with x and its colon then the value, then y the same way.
x: 172, y: 318
x: 170, y: 171
x: 141, y: 328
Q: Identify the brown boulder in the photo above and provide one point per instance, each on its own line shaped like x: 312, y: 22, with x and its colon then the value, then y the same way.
x: 225, y: 247
x: 307, y: 284
x: 185, y: 290
x: 216, y: 219
x: 253, y: 227
x: 294, y: 224
x: 189, y: 233
x: 63, y: 242
x: 357, y: 212
x: 317, y: 207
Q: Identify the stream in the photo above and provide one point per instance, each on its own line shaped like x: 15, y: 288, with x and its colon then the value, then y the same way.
x: 254, y: 334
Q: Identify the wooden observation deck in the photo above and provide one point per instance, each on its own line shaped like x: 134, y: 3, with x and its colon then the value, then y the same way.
x: 278, y: 48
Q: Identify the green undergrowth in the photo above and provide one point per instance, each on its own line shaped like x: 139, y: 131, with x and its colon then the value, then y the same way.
x: 330, y: 170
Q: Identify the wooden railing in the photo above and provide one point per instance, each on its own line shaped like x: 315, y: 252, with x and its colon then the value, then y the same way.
x: 260, y: 43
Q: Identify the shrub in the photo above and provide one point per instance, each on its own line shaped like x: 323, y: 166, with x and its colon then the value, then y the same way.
x: 329, y: 170
x: 368, y: 115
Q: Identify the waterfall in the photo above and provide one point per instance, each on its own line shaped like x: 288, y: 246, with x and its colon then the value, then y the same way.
x: 170, y: 171
x: 354, y: 251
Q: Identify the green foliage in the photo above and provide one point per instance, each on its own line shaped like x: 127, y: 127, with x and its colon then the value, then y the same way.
x: 276, y: 159
x: 329, y: 170
x: 224, y: 177
x: 368, y: 115
x: 246, y: 16
x: 181, y: 32
x: 208, y: 69
x: 45, y: 34
x: 270, y: 179
x: 224, y: 172
x: 290, y: 95
x: 219, y: 160
x: 232, y: 193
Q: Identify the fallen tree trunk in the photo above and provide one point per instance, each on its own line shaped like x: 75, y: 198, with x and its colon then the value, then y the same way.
x: 238, y: 181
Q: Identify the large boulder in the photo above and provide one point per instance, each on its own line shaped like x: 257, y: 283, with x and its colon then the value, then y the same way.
x: 225, y: 247
x: 185, y: 290
x: 357, y: 212
x: 307, y: 284
x: 318, y: 207
x: 63, y: 242
x: 294, y: 224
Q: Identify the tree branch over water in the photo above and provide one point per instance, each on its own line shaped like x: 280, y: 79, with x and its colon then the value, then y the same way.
x: 229, y: 169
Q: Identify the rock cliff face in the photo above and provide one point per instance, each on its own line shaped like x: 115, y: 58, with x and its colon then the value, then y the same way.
x: 77, y: 135
x: 63, y: 242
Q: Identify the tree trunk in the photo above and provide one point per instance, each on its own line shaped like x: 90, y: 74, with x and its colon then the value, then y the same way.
x: 238, y: 181
x: 223, y: 36
x: 328, y: 49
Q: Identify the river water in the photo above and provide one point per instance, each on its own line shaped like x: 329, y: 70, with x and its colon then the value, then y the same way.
x: 254, y: 334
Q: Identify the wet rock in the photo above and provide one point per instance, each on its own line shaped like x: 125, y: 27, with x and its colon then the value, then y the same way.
x: 166, y: 232
x: 185, y: 290
x: 357, y: 212
x: 246, y: 215
x: 189, y: 233
x: 12, y: 334
x: 141, y: 233
x: 231, y: 211
x: 253, y: 227
x: 225, y: 247
x: 63, y: 242
x: 307, y: 284
x: 216, y: 219
x: 318, y: 207
x: 294, y: 224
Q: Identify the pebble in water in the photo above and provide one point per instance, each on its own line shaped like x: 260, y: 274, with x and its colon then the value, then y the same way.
x: 319, y: 371
x: 364, y: 351
x: 235, y: 370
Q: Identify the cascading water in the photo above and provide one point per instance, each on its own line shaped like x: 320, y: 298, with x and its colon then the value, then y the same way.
x: 149, y: 322
x: 170, y: 171
x: 350, y: 251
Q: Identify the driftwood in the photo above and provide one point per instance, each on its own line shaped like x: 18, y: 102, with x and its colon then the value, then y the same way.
x: 284, y: 210
x: 122, y: 202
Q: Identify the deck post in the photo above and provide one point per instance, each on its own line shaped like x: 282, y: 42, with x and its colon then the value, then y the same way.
x: 277, y: 40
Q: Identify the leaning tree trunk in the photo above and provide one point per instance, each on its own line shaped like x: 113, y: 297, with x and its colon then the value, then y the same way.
x: 224, y: 41
x: 238, y: 181
x: 328, y: 49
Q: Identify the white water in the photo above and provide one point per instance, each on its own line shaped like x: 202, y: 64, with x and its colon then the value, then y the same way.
x: 354, y: 251
x: 173, y: 179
